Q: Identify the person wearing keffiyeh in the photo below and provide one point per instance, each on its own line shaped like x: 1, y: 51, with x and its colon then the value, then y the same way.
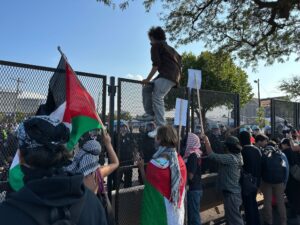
x: 165, y: 179
x: 49, y: 195
x: 192, y: 158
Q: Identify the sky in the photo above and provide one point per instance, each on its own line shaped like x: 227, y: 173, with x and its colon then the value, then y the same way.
x: 99, y: 39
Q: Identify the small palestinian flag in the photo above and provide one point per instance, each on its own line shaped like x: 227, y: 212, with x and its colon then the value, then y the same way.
x: 156, y: 205
x: 69, y: 102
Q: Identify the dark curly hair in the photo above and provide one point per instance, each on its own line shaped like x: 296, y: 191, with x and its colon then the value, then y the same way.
x: 157, y: 33
x: 45, y: 159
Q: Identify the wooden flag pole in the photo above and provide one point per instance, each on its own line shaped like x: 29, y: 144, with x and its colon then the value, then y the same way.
x: 180, y: 125
x: 199, y: 104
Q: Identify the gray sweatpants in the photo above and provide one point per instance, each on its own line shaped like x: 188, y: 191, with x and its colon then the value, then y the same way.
x: 232, y: 204
x: 153, y: 99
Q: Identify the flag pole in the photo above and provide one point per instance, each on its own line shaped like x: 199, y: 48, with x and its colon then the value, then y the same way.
x: 199, y: 104
x: 62, y: 54
x: 65, y: 58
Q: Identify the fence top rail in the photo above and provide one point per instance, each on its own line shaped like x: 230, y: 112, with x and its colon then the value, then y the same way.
x: 216, y: 92
x: 45, y: 68
x: 285, y: 101
x: 201, y: 90
x: 129, y: 80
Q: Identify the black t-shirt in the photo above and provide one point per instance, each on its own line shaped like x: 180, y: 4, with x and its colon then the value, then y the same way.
x: 193, y: 166
x: 293, y: 186
x: 146, y: 147
x: 252, y: 161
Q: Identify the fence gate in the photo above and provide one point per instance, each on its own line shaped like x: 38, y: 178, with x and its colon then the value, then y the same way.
x: 284, y: 115
x: 130, y: 139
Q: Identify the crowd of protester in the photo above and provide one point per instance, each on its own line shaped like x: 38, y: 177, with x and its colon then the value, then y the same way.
x: 8, y: 147
x: 247, y: 164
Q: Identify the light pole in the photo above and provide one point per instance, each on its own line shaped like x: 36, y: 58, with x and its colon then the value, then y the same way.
x: 258, y: 89
x: 18, y: 81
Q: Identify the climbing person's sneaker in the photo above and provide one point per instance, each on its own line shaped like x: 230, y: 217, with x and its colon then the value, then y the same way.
x: 152, y: 134
x: 145, y: 117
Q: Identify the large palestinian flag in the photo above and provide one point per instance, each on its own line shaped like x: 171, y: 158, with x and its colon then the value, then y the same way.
x: 157, y: 209
x: 69, y: 102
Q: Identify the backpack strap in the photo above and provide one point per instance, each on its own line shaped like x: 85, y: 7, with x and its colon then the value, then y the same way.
x: 50, y: 216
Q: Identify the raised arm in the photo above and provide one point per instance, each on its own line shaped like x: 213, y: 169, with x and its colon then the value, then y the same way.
x: 113, y: 158
x: 221, y: 158
x: 295, y: 148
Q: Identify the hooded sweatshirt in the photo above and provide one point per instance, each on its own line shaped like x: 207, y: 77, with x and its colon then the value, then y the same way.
x: 46, y: 199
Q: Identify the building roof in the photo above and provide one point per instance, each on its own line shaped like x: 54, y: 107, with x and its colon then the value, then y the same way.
x: 31, y: 95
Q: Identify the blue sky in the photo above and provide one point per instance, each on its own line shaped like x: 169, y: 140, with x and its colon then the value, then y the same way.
x: 97, y: 39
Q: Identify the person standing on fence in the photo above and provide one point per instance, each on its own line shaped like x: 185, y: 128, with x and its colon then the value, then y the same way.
x: 167, y: 62
x: 165, y: 180
x: 251, y: 177
x: 192, y: 158
x: 50, y: 195
x: 229, y: 177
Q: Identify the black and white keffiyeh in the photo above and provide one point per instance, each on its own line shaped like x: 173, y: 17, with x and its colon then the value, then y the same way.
x: 86, y: 160
x: 42, y: 132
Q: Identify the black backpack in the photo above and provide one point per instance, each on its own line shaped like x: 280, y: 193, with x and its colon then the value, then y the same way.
x: 67, y: 215
x: 273, y: 169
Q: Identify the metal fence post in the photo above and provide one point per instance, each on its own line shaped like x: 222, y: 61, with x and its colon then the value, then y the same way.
x: 273, y: 119
x: 104, y: 99
x: 297, y: 116
x: 296, y: 119
x: 111, y: 93
x: 237, y: 111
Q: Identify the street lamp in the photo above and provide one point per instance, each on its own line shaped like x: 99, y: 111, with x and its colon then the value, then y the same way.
x: 258, y: 88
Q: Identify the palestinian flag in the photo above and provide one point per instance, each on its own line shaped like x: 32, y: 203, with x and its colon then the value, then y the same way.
x: 157, y: 209
x: 69, y: 102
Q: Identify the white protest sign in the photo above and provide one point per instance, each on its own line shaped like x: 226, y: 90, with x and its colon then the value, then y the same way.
x: 194, y: 79
x: 180, y: 112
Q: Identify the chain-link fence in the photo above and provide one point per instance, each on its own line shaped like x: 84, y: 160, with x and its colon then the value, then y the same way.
x: 132, y: 140
x: 23, y: 88
x: 285, y: 116
x: 220, y: 114
x: 248, y: 112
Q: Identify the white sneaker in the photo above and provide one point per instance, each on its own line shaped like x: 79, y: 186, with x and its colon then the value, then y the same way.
x: 152, y: 134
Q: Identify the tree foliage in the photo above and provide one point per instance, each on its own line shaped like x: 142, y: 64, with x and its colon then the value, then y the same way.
x: 291, y: 87
x: 251, y: 30
x: 260, y: 120
x: 219, y: 73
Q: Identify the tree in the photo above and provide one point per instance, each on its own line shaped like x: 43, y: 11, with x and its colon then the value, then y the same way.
x: 291, y: 87
x: 219, y: 73
x: 251, y: 30
x: 124, y: 115
x: 261, y: 120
